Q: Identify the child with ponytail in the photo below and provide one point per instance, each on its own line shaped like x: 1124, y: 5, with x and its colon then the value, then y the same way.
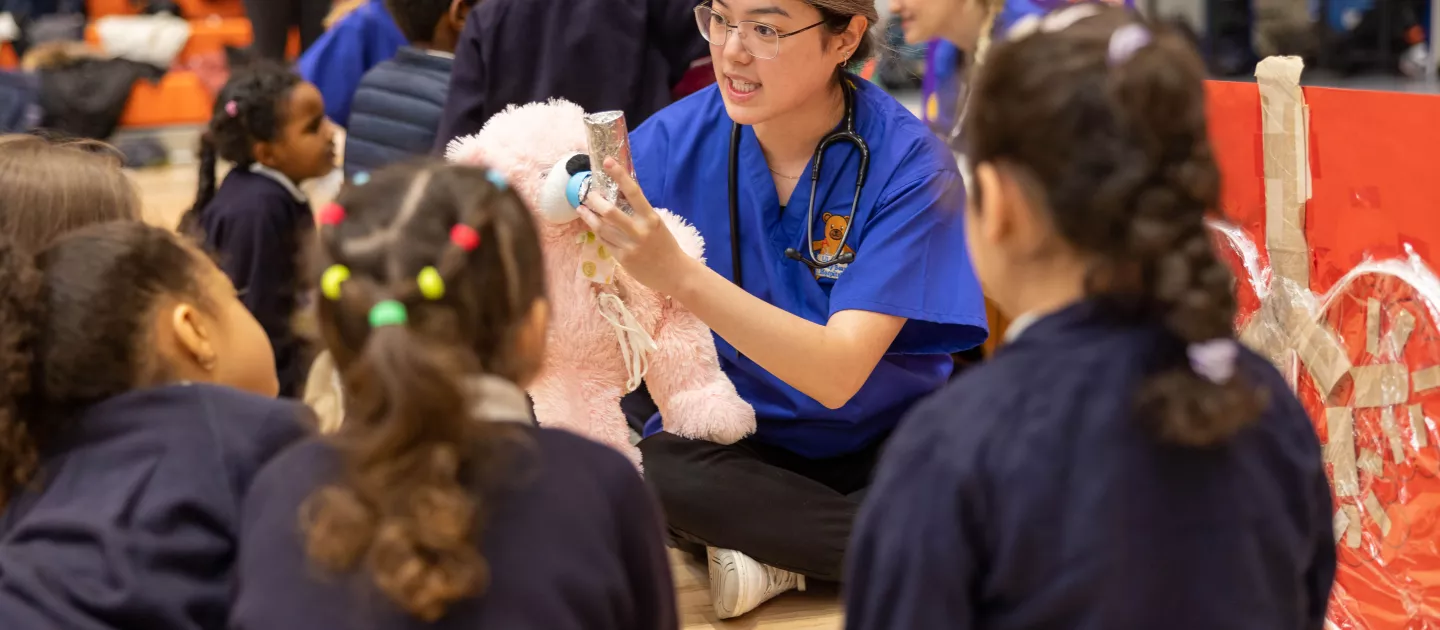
x: 136, y: 404
x: 1123, y: 462
x: 438, y: 501
x: 271, y: 127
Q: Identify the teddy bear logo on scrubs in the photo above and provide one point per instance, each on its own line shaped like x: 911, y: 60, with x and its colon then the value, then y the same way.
x: 828, y: 248
x: 607, y: 331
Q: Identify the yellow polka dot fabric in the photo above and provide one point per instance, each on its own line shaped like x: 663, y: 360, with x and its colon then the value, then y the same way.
x: 596, y: 263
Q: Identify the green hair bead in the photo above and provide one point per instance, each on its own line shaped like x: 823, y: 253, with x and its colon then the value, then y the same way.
x: 388, y: 313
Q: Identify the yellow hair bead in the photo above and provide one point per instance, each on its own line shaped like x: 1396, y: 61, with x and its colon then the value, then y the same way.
x: 330, y: 282
x: 431, y: 285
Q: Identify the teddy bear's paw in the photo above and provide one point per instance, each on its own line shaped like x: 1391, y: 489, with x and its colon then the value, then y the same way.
x: 714, y: 412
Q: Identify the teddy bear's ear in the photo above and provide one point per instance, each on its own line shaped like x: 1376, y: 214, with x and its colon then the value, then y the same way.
x: 826, y: 217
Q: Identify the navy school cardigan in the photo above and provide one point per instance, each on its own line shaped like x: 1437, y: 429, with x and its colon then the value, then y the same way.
x: 1027, y: 494
x: 572, y: 540
x: 257, y: 225
x: 137, y: 511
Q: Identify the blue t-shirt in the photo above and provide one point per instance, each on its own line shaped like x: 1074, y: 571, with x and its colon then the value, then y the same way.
x: 336, y: 62
x: 909, y: 246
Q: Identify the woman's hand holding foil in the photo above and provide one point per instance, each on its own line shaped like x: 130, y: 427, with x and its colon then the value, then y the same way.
x: 641, y: 242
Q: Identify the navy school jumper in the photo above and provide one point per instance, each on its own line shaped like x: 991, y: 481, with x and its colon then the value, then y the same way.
x: 137, y: 511
x: 572, y: 540
x: 256, y: 225
x: 1028, y: 495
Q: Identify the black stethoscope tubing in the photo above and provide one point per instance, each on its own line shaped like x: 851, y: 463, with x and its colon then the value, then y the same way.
x: 845, y: 134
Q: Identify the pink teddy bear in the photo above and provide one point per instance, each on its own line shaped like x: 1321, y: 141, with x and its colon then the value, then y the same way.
x: 607, y: 331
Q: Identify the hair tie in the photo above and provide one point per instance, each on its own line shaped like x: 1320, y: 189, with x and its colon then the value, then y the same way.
x: 497, y: 179
x: 360, y: 179
x: 232, y: 109
x: 1125, y: 41
x: 464, y: 237
x: 332, y: 214
x: 331, y: 280
x: 388, y: 313
x: 1214, y: 359
x: 432, y: 286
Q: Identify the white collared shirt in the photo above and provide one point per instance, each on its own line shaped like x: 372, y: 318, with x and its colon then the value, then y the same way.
x: 280, y: 178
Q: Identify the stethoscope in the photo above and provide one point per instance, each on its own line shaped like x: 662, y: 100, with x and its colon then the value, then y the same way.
x: 845, y: 134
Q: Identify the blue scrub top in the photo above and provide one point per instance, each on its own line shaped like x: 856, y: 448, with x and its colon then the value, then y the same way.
x: 909, y: 244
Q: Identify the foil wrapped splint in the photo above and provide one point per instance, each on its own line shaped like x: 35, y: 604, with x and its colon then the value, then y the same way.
x: 609, y: 137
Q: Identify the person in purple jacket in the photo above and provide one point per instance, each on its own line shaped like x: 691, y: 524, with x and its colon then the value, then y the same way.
x: 599, y: 54
x: 439, y: 503
x: 1122, y: 463
x: 136, y: 405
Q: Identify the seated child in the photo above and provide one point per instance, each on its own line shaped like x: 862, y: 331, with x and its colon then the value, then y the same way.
x: 127, y: 436
x: 439, y: 503
x: 51, y: 188
x: 350, y: 47
x: 271, y: 125
x: 1122, y: 462
x: 397, y: 106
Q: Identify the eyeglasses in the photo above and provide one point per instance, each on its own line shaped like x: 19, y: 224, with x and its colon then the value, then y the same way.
x: 761, y: 40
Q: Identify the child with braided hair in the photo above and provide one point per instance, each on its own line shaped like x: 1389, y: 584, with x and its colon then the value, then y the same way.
x: 438, y: 501
x: 1122, y: 462
x: 271, y: 126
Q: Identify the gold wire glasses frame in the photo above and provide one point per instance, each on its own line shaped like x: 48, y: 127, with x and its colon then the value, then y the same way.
x: 759, y: 39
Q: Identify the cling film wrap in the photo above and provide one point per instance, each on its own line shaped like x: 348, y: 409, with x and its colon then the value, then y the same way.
x: 1362, y: 351
x: 609, y: 137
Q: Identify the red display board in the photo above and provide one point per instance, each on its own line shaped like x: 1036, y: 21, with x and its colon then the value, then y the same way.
x: 1359, y: 334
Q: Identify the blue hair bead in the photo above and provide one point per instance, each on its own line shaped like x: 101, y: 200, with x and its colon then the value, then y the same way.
x: 574, y: 187
x: 497, y: 179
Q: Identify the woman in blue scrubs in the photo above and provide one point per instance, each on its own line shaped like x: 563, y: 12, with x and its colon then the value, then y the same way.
x: 830, y: 358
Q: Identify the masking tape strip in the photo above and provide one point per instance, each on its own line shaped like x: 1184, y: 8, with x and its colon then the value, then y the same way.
x: 1426, y: 378
x: 1380, y: 385
x: 1341, y: 524
x: 1377, y: 513
x: 1391, y: 429
x: 1265, y: 333
x: 1352, y: 533
x: 1400, y: 330
x: 1340, y: 450
x: 1417, y: 426
x: 1370, y: 462
x: 1287, y: 173
x: 1290, y: 306
x: 1372, y: 326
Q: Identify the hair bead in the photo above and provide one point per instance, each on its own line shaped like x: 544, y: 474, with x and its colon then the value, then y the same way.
x: 332, y: 214
x: 497, y: 179
x: 432, y: 286
x: 388, y: 313
x: 465, y: 237
x: 331, y: 280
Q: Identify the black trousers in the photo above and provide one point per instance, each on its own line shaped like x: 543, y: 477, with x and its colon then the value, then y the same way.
x: 777, y: 507
x: 270, y: 20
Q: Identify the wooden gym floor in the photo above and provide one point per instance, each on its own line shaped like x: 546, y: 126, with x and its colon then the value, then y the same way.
x: 168, y: 191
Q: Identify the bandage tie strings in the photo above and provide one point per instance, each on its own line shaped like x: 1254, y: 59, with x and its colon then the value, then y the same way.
x: 635, y: 344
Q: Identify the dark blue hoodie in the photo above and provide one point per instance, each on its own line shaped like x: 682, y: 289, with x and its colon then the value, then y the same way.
x: 135, y: 519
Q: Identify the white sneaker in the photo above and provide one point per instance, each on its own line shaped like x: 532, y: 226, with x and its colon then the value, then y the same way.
x: 739, y: 584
